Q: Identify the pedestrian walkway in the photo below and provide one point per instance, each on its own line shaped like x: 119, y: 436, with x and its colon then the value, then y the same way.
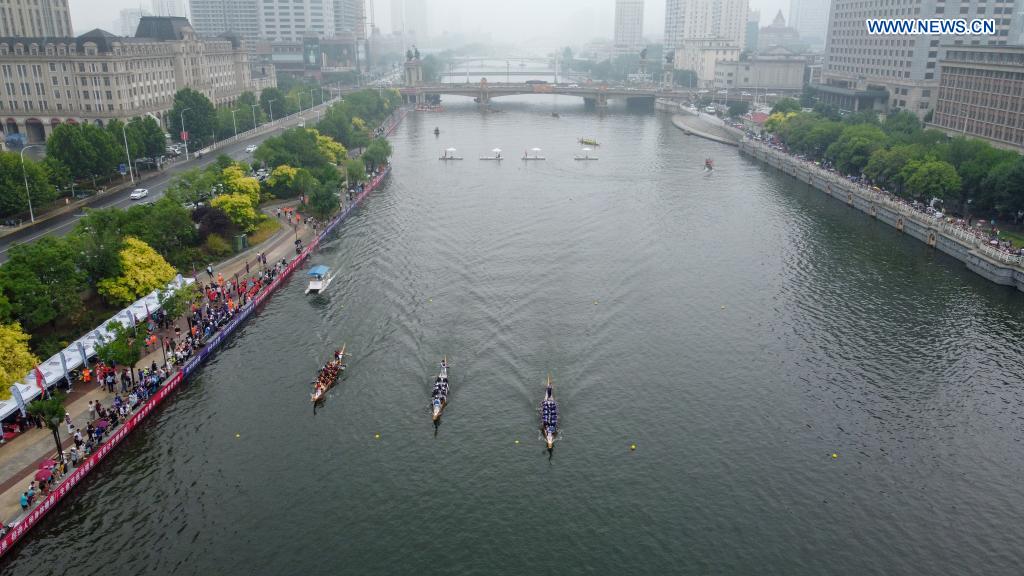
x: 20, y: 457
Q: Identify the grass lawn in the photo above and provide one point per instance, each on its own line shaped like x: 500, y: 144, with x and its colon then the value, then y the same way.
x: 264, y: 230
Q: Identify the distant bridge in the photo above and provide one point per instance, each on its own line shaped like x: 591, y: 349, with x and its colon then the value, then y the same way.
x: 593, y: 95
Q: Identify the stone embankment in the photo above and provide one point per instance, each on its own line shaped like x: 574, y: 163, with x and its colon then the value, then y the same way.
x: 990, y: 263
x: 706, y: 128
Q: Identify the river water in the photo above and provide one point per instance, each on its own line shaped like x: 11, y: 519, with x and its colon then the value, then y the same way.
x: 738, y: 328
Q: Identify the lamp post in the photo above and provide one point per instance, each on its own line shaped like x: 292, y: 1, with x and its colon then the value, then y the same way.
x: 127, y: 154
x: 311, y: 97
x: 254, y: 125
x: 234, y: 123
x: 24, y: 174
x: 184, y: 133
x: 270, y: 104
x: 56, y: 437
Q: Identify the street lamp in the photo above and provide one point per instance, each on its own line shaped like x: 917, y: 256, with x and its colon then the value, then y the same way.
x: 254, y: 125
x: 270, y: 104
x: 126, y: 153
x: 311, y: 97
x: 31, y: 214
x: 56, y: 436
x: 234, y: 123
x: 184, y: 133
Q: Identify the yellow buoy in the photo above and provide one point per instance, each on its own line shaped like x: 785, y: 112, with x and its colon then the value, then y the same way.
x: 723, y: 306
x: 238, y: 435
x: 517, y: 441
x: 834, y: 455
x: 632, y: 446
x: 377, y: 435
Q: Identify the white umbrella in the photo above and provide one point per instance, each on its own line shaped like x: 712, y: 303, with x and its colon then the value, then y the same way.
x: 586, y: 149
x: 496, y: 150
x: 535, y: 149
x: 450, y: 149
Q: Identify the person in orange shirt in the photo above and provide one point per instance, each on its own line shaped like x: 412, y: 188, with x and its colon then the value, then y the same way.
x: 86, y: 375
x: 220, y: 279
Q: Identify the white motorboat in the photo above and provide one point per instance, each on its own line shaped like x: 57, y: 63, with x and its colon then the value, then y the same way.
x: 320, y: 278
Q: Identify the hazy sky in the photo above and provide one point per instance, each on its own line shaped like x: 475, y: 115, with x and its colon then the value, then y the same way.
x: 505, y: 20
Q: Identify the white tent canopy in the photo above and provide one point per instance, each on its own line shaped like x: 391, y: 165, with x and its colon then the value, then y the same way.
x: 53, y: 370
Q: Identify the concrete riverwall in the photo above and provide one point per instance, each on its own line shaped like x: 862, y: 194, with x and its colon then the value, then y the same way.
x: 984, y: 260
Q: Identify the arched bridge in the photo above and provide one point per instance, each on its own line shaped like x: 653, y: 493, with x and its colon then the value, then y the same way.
x: 595, y: 96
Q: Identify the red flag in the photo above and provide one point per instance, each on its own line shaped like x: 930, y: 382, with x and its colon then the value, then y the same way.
x: 40, y: 381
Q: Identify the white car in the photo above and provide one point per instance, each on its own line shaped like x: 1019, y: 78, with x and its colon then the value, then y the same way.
x: 138, y: 194
x: 250, y: 148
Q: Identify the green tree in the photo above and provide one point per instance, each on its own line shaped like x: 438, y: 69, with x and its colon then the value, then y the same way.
x: 178, y: 302
x: 125, y: 348
x: 165, y: 226
x: 785, y: 106
x: 97, y: 239
x: 88, y: 151
x: 42, y: 282
x: 377, y: 153
x: 239, y: 209
x: 50, y: 410
x: 273, y: 103
x: 200, y: 118
x: 739, y: 108
x: 13, y: 199
x: 885, y: 166
x: 927, y: 179
x: 16, y: 359
x: 851, y: 151
x: 150, y: 136
x: 323, y: 200
x: 194, y: 185
x: 142, y: 271
x: 355, y: 172
x: 1003, y: 188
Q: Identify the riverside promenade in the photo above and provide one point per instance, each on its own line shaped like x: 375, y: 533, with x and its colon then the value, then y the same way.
x: 17, y: 469
x: 955, y: 240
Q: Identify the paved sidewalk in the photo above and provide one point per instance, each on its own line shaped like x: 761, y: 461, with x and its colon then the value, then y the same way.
x: 20, y: 457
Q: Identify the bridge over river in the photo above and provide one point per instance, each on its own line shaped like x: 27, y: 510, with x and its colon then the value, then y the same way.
x: 594, y: 95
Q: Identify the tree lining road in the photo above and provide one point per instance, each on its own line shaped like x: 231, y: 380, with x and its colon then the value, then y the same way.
x: 61, y: 225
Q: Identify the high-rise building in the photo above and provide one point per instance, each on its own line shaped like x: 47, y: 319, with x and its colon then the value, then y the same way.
x: 35, y: 18
x: 705, y: 19
x: 350, y: 16
x: 753, y: 28
x: 98, y: 77
x: 810, y: 18
x: 899, y: 72
x: 213, y: 17
x: 128, y: 21
x: 410, y: 17
x: 293, y: 20
x: 168, y: 8
x: 629, y: 25
x: 979, y: 94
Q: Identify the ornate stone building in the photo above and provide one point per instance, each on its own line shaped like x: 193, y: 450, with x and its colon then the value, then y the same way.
x: 98, y: 76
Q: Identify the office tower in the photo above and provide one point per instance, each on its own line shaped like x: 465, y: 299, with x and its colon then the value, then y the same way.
x: 293, y: 20
x: 629, y: 26
x: 168, y: 8
x: 35, y: 19
x: 410, y: 17
x: 753, y: 28
x: 128, y: 21
x: 213, y: 17
x: 810, y: 18
x: 350, y: 16
x: 899, y: 72
x: 979, y: 94
x: 724, y: 20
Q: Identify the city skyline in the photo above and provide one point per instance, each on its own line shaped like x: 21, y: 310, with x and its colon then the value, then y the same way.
x: 574, y: 20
